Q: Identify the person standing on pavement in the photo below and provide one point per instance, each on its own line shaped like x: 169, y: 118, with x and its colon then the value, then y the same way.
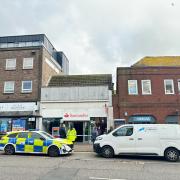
x: 72, y: 134
x: 94, y: 134
x: 62, y: 131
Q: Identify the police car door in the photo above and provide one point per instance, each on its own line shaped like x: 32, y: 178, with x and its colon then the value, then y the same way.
x: 37, y: 142
x: 21, y: 141
x: 124, y: 140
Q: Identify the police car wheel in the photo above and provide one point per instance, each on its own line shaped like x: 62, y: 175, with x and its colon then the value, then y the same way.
x: 53, y: 151
x: 107, y: 152
x: 171, y: 154
x: 9, y: 150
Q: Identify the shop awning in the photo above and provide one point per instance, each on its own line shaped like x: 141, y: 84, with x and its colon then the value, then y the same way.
x: 137, y: 119
x: 172, y: 119
x: 20, y: 114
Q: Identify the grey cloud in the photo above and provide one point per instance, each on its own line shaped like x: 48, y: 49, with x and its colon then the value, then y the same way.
x: 98, y: 35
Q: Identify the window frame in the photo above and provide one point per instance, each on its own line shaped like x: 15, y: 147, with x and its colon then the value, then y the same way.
x: 178, y: 81
x: 142, y: 86
x: 26, y: 133
x: 165, y: 80
x: 40, y: 136
x: 8, y: 92
x: 26, y: 90
x: 29, y: 66
x: 12, y: 135
x: 115, y: 133
x: 11, y: 67
x: 136, y: 83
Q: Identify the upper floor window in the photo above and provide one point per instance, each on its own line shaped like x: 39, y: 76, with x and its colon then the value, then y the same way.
x: 146, y: 86
x: 179, y: 86
x: 9, y: 87
x: 10, y: 64
x: 28, y: 63
x: 169, y: 86
x: 132, y: 87
x: 26, y: 86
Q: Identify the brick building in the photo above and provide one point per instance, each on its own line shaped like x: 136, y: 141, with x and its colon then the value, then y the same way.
x: 149, y: 91
x: 26, y: 64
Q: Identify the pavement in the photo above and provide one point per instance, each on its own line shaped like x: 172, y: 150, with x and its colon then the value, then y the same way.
x: 81, y: 147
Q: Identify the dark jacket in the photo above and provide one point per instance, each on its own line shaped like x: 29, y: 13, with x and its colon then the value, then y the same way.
x: 62, y: 132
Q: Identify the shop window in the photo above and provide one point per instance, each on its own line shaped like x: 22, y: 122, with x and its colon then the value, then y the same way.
x: 5, y: 125
x: 49, y: 123
x: 172, y: 119
x: 28, y: 63
x: 26, y: 86
x: 9, y: 87
x: 169, y: 86
x: 132, y: 87
x: 10, y: 64
x: 146, y: 87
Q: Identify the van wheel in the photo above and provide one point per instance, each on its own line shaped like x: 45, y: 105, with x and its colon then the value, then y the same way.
x: 107, y: 152
x: 53, y: 151
x: 171, y: 154
x: 9, y: 149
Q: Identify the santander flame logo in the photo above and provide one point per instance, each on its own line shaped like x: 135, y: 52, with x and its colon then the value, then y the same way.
x: 66, y: 115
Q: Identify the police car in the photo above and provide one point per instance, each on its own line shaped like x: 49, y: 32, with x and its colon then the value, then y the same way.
x: 34, y: 142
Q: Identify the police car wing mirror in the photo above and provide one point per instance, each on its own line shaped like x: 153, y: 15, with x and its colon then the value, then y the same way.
x: 41, y: 138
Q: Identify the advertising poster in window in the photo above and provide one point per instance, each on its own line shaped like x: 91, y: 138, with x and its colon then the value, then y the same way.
x: 19, y: 125
x: 3, y: 126
x: 55, y: 131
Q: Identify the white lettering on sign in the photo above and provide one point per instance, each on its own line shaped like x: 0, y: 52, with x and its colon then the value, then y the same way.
x: 4, y: 107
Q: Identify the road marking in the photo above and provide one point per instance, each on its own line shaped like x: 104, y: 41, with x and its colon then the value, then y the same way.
x: 99, y: 178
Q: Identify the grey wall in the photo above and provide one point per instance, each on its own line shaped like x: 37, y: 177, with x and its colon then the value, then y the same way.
x: 88, y: 93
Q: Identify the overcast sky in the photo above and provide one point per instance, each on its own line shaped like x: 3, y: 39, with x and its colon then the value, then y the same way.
x: 98, y: 35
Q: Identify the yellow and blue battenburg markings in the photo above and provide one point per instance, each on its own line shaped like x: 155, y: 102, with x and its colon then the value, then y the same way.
x: 30, y: 145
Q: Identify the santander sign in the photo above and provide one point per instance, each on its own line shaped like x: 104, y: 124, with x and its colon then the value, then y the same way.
x: 72, y: 115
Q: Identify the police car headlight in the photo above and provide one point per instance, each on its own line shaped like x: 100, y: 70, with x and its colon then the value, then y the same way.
x: 99, y: 138
x: 66, y: 148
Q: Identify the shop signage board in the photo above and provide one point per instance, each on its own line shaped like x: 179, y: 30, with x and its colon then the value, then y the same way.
x: 18, y: 125
x: 31, y: 106
x: 68, y: 116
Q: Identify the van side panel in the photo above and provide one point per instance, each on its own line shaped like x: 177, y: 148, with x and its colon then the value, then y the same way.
x: 169, y: 137
x: 148, y: 139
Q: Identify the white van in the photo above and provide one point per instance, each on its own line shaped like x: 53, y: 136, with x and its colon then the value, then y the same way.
x: 141, y: 139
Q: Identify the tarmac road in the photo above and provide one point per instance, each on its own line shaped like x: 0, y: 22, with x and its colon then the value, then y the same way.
x: 86, y: 166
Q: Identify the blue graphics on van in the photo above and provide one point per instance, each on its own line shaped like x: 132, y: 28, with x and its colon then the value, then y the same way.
x: 142, y: 129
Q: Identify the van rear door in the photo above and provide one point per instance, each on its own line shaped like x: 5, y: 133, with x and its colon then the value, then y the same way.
x: 147, y: 140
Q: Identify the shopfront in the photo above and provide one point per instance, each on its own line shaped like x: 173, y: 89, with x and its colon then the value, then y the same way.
x: 83, y: 117
x: 18, y: 116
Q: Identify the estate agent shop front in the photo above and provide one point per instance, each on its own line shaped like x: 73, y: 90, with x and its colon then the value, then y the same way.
x: 18, y: 116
